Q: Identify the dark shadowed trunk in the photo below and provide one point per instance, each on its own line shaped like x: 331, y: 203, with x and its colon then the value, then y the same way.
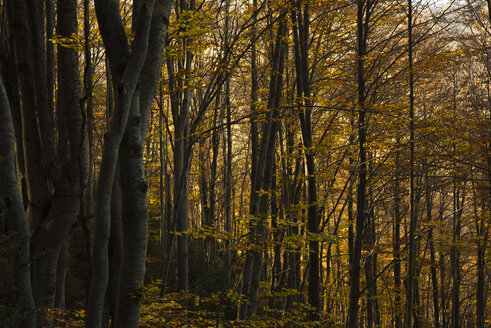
x: 363, y: 19
x: 259, y: 203
x: 14, y: 212
x: 301, y: 21
x: 127, y: 128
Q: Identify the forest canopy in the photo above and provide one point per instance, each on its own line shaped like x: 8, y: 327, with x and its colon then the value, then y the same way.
x: 256, y: 163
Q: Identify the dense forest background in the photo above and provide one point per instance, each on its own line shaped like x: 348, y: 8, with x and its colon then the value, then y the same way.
x: 259, y: 163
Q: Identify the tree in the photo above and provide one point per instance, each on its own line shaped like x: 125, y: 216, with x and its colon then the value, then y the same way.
x: 301, y: 22
x: 364, y: 10
x: 130, y: 70
x: 262, y: 181
x: 54, y: 177
x: 14, y: 211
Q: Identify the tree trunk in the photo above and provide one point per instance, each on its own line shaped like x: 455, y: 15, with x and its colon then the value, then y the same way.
x: 301, y: 22
x: 228, y: 186
x: 413, y: 224
x: 262, y: 181
x: 363, y: 17
x: 14, y: 212
x: 396, y: 244
x: 370, y: 267
x: 61, y: 276
x: 455, y: 255
x: 134, y: 219
x: 125, y: 70
x: 481, y: 289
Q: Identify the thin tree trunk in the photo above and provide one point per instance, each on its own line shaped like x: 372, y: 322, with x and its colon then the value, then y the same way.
x: 363, y: 17
x: 455, y: 256
x: 262, y: 181
x: 242, y: 309
x: 228, y: 186
x: 370, y: 267
x: 180, y: 105
x: 433, y: 267
x: 301, y: 22
x: 396, y: 244
x: 215, y: 141
x: 50, y: 58
x: 115, y: 247
x: 162, y: 168
x: 88, y: 196
x: 443, y: 295
x: 181, y: 185
x: 481, y: 291
x: 61, y: 276
x: 410, y: 293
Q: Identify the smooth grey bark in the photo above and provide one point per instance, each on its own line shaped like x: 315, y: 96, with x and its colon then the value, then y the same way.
x: 39, y: 196
x: 87, y: 208
x: 455, y: 267
x: 482, y: 228
x: 431, y: 242
x: 254, y: 98
x: 134, y: 222
x: 133, y: 184
x: 228, y: 186
x: 259, y: 204
x: 457, y: 210
x: 180, y: 104
x: 443, y: 294
x: 54, y: 181
x: 228, y: 155
x: 89, y: 114
x: 364, y: 10
x: 481, y: 285
x: 14, y: 212
x: 131, y: 71
x: 114, y: 250
x: 167, y: 240
x: 164, y: 179
x: 290, y: 169
x: 12, y: 88
x: 50, y: 236
x: 149, y: 78
x: 242, y: 309
x: 215, y: 141
x: 208, y: 182
x: 125, y: 67
x: 301, y: 23
x: 413, y: 219
x: 36, y: 21
x: 180, y: 107
x: 61, y: 276
x: 370, y: 267
x: 396, y: 243
x: 50, y: 56
x: 350, y: 200
x: 181, y: 197
x: 276, y: 284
